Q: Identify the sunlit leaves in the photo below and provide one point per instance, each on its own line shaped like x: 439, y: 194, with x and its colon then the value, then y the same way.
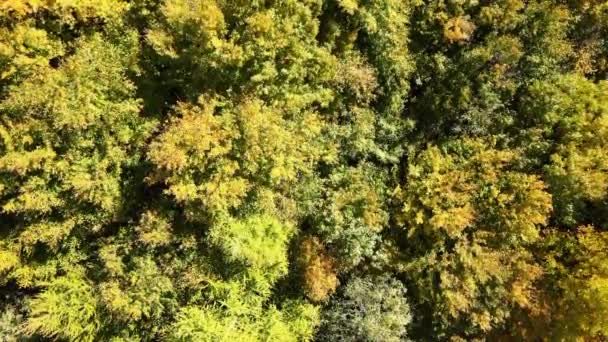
x: 259, y: 242
x: 236, y: 170
x: 294, y: 323
x: 575, y: 285
x: 318, y: 270
x: 141, y: 293
x: 66, y: 309
x: 216, y: 160
x: 568, y: 120
x: 469, y: 220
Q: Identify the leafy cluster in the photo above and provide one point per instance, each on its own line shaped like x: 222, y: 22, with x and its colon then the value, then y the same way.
x: 298, y: 170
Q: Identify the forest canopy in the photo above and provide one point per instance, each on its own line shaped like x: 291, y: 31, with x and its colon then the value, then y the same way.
x: 303, y: 170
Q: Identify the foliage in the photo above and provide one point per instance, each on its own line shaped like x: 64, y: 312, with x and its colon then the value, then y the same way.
x: 295, y: 323
x: 318, y: 270
x: 469, y: 220
x: 283, y: 170
x: 573, y: 298
x: 370, y: 309
x: 568, y: 124
x: 352, y: 214
x: 66, y: 309
x: 10, y: 321
x: 579, y: 311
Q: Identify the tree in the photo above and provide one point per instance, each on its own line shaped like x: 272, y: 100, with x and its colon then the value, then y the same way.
x: 283, y: 170
x: 583, y: 295
x: 469, y: 221
x: 254, y: 254
x: 352, y: 214
x: 64, y: 156
x: 572, y: 296
x: 566, y: 123
x: 66, y: 309
x: 318, y: 269
x: 474, y: 59
x: 370, y: 309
